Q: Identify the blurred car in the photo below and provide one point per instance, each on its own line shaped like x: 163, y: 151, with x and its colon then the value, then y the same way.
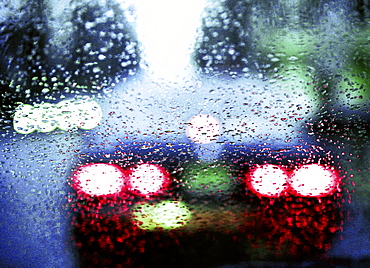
x: 189, y: 164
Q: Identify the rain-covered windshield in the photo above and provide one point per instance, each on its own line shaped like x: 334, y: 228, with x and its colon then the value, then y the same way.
x: 172, y: 133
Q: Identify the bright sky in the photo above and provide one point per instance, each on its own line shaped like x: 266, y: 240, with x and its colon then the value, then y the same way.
x: 166, y: 29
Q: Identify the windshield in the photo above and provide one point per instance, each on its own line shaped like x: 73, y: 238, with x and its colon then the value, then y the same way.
x: 212, y: 133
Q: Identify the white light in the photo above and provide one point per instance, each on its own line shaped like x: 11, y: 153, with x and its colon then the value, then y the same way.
x: 99, y: 179
x: 147, y: 179
x: 313, y: 180
x: 25, y: 119
x: 203, y: 128
x: 46, y: 120
x: 85, y: 114
x: 167, y: 30
x: 268, y: 180
x: 66, y: 115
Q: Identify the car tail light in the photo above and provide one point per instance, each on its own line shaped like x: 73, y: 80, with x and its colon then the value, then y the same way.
x: 104, y: 179
x: 147, y: 179
x: 267, y: 180
x: 310, y: 180
x: 314, y: 180
x: 99, y: 179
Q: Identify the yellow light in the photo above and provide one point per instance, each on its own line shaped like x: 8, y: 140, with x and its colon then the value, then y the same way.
x: 166, y: 215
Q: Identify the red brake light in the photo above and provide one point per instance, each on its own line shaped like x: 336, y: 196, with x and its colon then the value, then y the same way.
x: 147, y: 179
x: 268, y: 180
x: 99, y: 179
x: 313, y: 180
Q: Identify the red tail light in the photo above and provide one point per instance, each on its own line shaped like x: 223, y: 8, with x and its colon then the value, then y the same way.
x: 268, y: 180
x: 147, y: 179
x: 314, y: 180
x: 311, y: 180
x: 99, y: 179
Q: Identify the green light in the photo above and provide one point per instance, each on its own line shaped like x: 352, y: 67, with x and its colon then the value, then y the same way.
x: 290, y: 73
x: 285, y: 43
x: 208, y: 179
x: 353, y: 89
x: 166, y: 215
x: 294, y: 43
x: 297, y: 80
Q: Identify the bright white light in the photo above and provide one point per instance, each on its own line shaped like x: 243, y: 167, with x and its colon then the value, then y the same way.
x: 46, y: 120
x: 66, y: 115
x: 268, y: 180
x: 99, y: 179
x: 167, y: 30
x: 85, y: 114
x: 147, y: 179
x: 203, y: 128
x: 313, y: 180
x: 26, y: 119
